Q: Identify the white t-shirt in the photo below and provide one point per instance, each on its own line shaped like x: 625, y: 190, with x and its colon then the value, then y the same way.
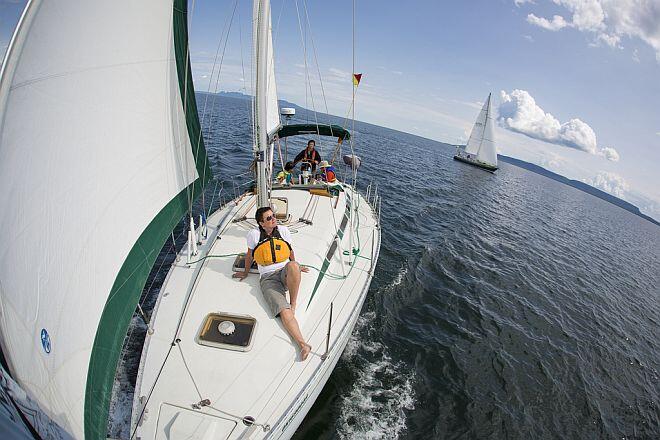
x: 252, y: 240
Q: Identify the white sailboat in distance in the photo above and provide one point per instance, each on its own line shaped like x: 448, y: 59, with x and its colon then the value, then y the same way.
x: 101, y: 156
x: 480, y: 148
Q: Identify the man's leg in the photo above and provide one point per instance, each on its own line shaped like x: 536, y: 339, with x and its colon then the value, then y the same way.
x: 293, y: 282
x: 291, y: 326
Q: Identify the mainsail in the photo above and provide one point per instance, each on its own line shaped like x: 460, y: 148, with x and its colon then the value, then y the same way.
x: 482, y: 142
x: 100, y: 156
x: 267, y: 115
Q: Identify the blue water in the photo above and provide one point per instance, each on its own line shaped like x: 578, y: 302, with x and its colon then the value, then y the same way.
x: 504, y: 305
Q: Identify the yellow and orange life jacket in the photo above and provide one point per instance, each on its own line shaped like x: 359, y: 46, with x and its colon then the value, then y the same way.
x: 271, y: 249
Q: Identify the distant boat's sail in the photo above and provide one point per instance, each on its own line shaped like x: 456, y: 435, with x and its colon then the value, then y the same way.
x: 482, y: 142
x: 100, y: 156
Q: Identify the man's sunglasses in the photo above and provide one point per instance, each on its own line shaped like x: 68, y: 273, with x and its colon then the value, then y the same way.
x: 269, y: 218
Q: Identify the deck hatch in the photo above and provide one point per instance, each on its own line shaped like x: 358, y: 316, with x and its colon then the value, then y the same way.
x: 280, y: 207
x: 239, y: 339
x: 239, y: 264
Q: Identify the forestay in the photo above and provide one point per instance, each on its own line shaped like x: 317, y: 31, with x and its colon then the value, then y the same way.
x: 98, y: 161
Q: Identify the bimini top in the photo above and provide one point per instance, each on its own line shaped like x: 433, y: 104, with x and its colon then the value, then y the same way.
x: 320, y: 129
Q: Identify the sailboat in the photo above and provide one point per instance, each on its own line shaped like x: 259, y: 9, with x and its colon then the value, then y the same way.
x: 480, y: 148
x: 101, y: 155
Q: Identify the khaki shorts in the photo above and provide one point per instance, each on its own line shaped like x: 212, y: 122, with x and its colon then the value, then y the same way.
x: 273, y: 287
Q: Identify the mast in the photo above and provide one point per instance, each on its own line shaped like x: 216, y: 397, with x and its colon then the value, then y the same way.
x: 267, y: 117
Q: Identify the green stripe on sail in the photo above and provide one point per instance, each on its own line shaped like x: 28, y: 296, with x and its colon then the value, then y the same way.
x: 132, y: 277
x: 187, y: 90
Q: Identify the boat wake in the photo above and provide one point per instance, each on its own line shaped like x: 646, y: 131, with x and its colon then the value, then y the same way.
x: 382, y: 391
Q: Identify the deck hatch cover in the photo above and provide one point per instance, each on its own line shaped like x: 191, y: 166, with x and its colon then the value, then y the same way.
x: 240, y: 339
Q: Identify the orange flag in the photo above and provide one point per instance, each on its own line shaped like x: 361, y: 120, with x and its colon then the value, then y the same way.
x: 356, y: 79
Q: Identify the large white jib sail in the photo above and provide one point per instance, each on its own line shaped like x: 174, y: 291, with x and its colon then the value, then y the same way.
x: 482, y: 140
x: 100, y: 156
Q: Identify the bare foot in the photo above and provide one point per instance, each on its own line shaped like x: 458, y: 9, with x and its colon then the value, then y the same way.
x: 304, y: 352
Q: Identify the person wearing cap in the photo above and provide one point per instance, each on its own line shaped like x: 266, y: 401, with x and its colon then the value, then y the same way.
x: 308, y: 155
x: 327, y: 172
x: 285, y: 176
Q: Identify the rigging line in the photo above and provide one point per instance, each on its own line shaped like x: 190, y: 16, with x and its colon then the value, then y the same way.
x: 153, y: 387
x: 185, y: 364
x: 253, y: 100
x: 304, y: 47
x: 332, y: 210
x: 352, y: 142
x: 318, y: 67
x: 303, y: 38
x: 215, y: 191
x: 279, y: 17
x: 308, y: 81
x: 145, y: 293
x: 279, y: 151
x: 240, y: 44
x: 227, y: 27
x: 316, y: 204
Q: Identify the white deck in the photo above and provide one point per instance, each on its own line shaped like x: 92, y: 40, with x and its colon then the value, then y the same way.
x: 267, y: 382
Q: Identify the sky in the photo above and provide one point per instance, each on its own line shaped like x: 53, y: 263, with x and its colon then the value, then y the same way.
x: 575, y: 83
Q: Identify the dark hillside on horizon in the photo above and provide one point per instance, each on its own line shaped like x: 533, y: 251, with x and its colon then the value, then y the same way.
x: 579, y: 185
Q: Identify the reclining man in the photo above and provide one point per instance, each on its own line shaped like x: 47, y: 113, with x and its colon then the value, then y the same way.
x: 269, y: 245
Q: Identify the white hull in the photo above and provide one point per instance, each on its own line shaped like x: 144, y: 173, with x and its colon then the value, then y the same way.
x: 266, y: 382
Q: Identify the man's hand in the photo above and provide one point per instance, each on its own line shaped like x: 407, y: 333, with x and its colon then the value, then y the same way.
x: 240, y: 275
x: 304, y: 269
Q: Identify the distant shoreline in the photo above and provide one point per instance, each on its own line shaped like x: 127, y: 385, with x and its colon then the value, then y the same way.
x: 579, y: 185
x: 510, y: 160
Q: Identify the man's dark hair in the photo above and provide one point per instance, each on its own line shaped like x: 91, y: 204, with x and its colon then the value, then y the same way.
x: 259, y: 215
x: 288, y: 166
x: 311, y: 141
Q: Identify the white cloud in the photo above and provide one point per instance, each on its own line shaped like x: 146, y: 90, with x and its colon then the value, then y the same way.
x: 610, y: 154
x: 522, y: 2
x: 609, y: 182
x: 635, y: 56
x: 338, y: 73
x: 528, y: 38
x: 588, y: 15
x: 579, y: 135
x: 475, y: 105
x: 557, y: 22
x: 608, y: 21
x: 519, y: 112
x: 646, y: 205
x: 551, y: 161
x: 610, y: 40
